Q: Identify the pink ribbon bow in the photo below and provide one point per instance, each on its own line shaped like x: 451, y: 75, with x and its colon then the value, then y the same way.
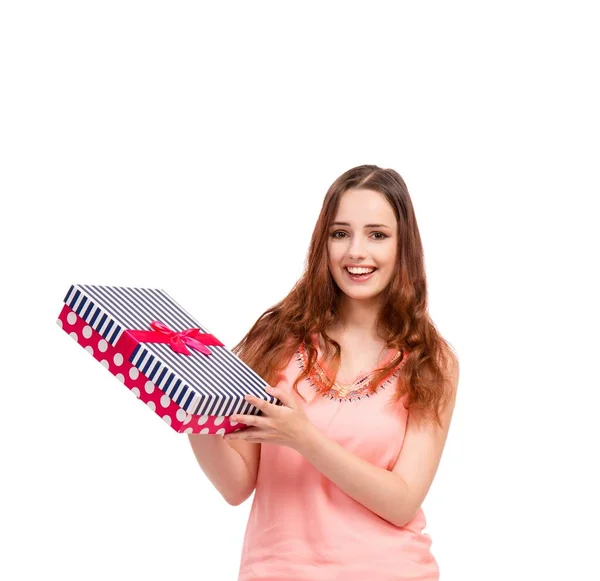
x: 178, y: 340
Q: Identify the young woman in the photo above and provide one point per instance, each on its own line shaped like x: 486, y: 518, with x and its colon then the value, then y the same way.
x: 367, y: 387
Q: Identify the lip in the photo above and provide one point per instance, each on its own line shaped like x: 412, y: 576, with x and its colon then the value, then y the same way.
x: 355, y: 278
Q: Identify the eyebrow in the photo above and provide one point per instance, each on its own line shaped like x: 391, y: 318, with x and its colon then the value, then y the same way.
x: 366, y: 225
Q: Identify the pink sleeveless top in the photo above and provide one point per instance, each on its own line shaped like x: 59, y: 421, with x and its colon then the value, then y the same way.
x: 303, y: 527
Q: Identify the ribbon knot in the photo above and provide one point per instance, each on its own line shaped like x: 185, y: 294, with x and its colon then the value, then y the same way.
x: 179, y: 341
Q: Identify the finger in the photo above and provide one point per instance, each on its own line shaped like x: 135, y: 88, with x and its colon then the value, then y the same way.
x: 248, y: 434
x: 284, y: 397
x: 264, y: 406
x: 248, y: 419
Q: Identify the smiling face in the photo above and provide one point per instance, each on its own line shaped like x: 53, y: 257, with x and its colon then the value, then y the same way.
x: 363, y: 234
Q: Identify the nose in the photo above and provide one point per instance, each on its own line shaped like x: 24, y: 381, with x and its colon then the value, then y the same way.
x: 357, y: 248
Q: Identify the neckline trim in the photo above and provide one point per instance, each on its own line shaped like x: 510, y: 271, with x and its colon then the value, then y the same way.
x: 391, y: 354
x: 344, y: 392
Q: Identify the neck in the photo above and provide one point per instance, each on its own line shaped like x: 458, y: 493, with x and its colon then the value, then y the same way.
x: 358, y: 318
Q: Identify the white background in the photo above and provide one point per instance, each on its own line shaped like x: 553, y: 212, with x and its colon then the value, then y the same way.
x: 188, y: 146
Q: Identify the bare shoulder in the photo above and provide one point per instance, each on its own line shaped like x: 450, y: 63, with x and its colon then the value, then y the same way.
x: 451, y: 368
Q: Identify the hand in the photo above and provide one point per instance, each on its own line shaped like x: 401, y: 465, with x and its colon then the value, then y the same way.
x: 286, y: 425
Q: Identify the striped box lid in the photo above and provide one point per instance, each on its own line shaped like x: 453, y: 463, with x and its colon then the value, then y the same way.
x: 213, y: 385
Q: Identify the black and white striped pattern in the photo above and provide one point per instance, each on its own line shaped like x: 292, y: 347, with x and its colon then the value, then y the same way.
x: 94, y: 315
x: 212, y: 385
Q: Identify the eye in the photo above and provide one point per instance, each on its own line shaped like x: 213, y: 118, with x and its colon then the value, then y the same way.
x: 381, y: 236
x: 337, y: 232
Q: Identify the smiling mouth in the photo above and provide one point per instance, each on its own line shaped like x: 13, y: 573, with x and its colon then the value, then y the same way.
x: 361, y: 276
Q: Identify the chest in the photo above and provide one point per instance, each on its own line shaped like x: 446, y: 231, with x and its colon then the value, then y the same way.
x: 350, y: 379
x: 372, y: 427
x: 355, y: 362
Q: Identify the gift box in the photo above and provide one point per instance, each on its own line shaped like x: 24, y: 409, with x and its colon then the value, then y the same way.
x: 170, y: 362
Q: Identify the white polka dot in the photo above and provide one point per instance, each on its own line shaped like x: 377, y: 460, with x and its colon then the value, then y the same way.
x: 87, y: 332
x: 118, y: 359
x: 121, y: 378
x: 135, y: 391
x: 233, y: 423
x: 165, y: 400
x: 151, y: 405
x: 90, y: 349
x: 188, y: 418
x: 219, y: 420
x: 102, y: 345
x: 105, y: 363
x: 202, y: 420
x: 149, y: 387
x: 221, y: 432
x: 204, y: 431
x: 181, y: 415
x: 167, y: 419
x: 134, y: 373
x: 71, y: 318
x: 188, y: 431
x: 73, y: 336
x: 59, y: 323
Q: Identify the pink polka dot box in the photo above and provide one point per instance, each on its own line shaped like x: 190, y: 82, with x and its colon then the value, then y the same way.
x: 183, y: 373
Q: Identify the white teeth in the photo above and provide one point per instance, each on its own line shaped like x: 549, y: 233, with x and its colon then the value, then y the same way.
x: 353, y: 270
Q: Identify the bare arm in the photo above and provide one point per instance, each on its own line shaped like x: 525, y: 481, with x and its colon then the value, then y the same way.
x: 394, y: 495
x: 231, y: 466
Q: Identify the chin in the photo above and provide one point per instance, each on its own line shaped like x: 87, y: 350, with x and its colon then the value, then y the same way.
x: 360, y: 295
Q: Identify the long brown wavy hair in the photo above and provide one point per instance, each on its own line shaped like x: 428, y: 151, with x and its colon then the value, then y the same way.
x: 403, y: 320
